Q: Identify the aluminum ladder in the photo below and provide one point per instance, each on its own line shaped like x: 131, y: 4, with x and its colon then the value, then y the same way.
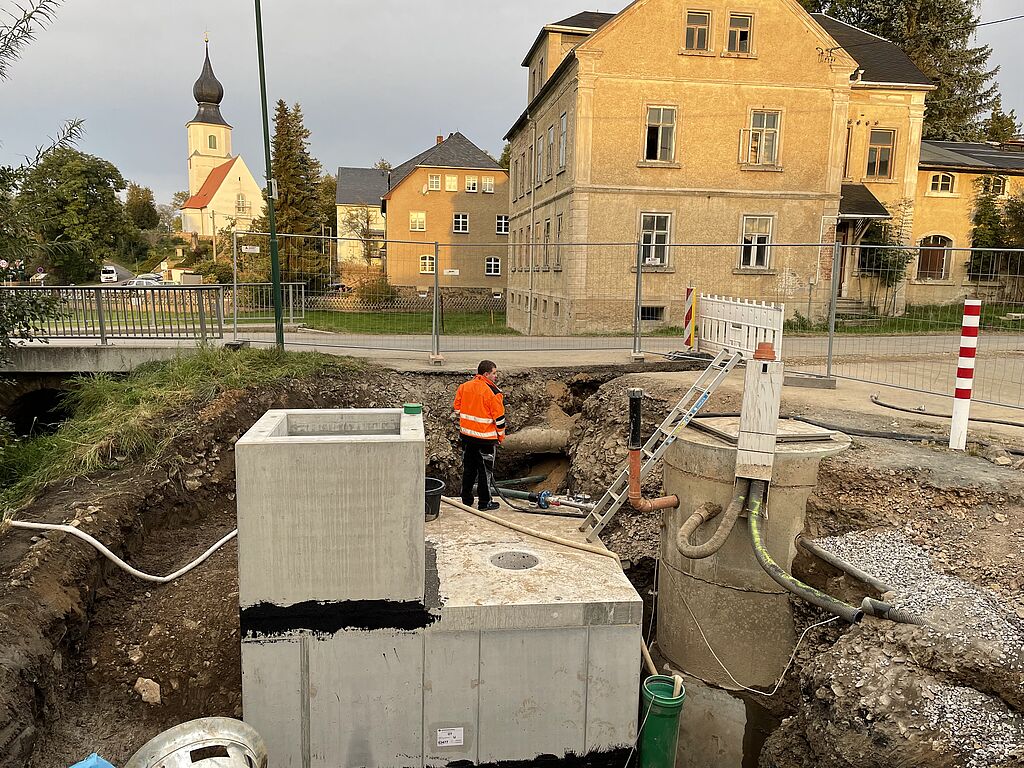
x: 655, y: 447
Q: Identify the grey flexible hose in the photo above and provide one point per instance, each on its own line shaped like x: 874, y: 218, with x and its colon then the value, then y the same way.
x: 837, y: 562
x: 1005, y: 422
x: 708, y: 512
x: 886, y: 611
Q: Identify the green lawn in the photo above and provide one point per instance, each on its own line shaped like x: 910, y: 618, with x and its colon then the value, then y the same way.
x: 406, y: 323
x: 922, y: 319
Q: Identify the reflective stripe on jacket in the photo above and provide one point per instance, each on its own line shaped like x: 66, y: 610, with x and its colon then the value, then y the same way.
x: 481, y: 409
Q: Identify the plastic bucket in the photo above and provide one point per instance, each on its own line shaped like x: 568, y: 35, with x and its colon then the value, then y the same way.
x: 659, y: 718
x: 434, y: 489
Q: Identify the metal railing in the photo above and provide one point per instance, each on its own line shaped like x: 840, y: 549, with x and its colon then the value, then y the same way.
x: 122, y: 312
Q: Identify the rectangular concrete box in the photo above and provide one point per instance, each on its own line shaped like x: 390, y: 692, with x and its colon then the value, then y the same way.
x: 330, y: 507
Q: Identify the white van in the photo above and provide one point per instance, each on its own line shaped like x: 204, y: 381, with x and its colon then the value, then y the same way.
x: 108, y: 274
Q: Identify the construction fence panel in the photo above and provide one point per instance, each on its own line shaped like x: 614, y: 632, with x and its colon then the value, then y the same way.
x: 898, y: 315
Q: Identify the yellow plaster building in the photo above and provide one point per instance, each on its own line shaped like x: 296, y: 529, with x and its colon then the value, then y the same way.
x: 745, y: 125
x: 950, y: 175
x: 221, y: 188
x: 455, y: 194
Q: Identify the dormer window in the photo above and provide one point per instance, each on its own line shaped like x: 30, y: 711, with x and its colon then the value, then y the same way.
x: 943, y: 183
x: 211, y: 141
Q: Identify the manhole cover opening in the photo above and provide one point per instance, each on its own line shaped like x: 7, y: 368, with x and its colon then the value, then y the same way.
x: 514, y: 561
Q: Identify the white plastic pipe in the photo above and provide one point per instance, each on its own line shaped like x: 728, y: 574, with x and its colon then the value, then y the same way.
x: 118, y: 561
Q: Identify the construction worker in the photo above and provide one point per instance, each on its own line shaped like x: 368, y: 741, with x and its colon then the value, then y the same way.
x: 480, y: 408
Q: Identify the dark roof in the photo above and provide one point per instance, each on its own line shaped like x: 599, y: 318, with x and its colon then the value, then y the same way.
x: 964, y: 154
x: 361, y: 186
x: 454, y: 152
x: 202, y: 198
x: 858, y: 202
x: 586, y: 20
x: 208, y: 93
x: 882, y: 61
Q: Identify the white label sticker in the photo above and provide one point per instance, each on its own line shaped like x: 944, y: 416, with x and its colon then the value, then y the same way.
x: 250, y: 249
x: 451, y: 272
x: 450, y: 737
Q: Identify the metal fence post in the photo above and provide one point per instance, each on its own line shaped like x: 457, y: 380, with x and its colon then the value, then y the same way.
x: 220, y: 311
x: 638, y: 353
x: 435, y: 323
x: 234, y: 285
x: 837, y: 255
x: 98, y: 299
x: 291, y: 303
x: 202, y: 314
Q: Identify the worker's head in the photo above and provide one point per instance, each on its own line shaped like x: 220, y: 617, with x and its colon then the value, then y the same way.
x: 488, y: 370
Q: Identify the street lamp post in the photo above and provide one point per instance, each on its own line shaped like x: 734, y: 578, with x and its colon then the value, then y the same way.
x: 275, y: 264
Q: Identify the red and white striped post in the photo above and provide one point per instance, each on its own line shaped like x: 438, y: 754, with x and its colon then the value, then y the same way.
x: 965, y: 374
x: 689, y: 331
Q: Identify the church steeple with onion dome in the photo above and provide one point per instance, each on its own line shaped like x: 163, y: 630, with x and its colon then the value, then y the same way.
x: 209, y: 93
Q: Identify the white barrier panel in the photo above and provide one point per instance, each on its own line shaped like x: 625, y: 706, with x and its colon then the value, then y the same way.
x: 739, y: 324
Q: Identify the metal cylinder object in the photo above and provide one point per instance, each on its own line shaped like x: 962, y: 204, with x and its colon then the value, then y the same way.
x: 234, y: 744
x: 744, y: 615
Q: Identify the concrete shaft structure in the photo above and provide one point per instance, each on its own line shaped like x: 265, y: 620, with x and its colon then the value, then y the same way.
x: 745, y: 615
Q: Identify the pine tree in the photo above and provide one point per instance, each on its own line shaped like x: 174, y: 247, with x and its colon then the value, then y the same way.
x: 1001, y: 126
x: 936, y: 35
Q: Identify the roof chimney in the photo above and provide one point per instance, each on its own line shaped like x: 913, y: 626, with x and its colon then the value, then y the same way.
x: 440, y: 138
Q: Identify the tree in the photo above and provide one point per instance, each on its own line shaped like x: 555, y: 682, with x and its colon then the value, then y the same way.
x: 70, y: 198
x: 359, y: 222
x: 383, y: 165
x: 936, y: 35
x: 506, y: 156
x: 1001, y: 126
x: 140, y: 207
x: 327, y: 203
x: 997, y: 225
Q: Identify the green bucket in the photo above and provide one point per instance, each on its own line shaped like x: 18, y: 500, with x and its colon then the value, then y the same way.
x: 660, y: 722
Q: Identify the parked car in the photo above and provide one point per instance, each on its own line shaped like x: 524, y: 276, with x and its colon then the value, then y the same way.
x: 108, y: 274
x: 150, y: 276
x: 138, y: 282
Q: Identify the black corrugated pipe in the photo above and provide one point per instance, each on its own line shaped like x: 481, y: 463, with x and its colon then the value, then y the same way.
x: 837, y: 562
x: 755, y: 512
x: 892, y: 613
x: 636, y: 397
x: 708, y: 512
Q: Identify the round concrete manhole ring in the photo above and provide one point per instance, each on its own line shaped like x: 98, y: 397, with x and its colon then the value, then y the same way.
x: 514, y: 561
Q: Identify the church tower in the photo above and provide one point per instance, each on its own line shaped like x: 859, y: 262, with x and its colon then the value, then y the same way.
x: 209, y: 135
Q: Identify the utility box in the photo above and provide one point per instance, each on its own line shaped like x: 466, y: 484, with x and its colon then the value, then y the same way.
x: 372, y: 639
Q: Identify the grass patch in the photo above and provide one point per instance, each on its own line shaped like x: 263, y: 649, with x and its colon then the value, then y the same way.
x: 410, y: 323
x: 137, y: 416
x: 932, y: 318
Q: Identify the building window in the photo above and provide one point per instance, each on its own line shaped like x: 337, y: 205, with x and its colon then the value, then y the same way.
x: 538, y: 164
x: 515, y: 178
x: 880, y: 151
x: 943, y: 182
x: 763, y: 147
x: 563, y: 139
x: 501, y: 226
x: 994, y: 185
x: 558, y: 241
x: 434, y: 182
x: 547, y: 243
x: 460, y: 223
x: 524, y: 175
x: 211, y: 141
x: 242, y: 207
x: 427, y: 264
x: 451, y: 183
x: 654, y: 229
x: 549, y: 161
x: 698, y: 26
x: 541, y: 74
x: 492, y: 266
x: 652, y: 313
x: 558, y: 309
x: 931, y: 261
x: 846, y: 157
x: 741, y: 32
x: 488, y: 182
x: 417, y: 221
x: 471, y: 183
x: 757, y: 235
x: 661, y: 132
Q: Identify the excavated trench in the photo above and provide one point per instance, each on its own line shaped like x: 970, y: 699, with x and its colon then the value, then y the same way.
x: 76, y: 635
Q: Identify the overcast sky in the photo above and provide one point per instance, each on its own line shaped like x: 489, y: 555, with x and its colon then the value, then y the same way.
x: 374, y: 79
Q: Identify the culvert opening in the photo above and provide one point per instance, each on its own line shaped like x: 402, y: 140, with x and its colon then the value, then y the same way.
x: 39, y: 412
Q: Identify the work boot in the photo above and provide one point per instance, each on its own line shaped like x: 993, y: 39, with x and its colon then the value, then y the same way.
x: 489, y: 506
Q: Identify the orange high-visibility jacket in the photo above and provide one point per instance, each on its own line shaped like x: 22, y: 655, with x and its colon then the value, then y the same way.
x: 480, y: 407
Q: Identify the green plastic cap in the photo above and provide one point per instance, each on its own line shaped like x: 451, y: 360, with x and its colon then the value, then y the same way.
x: 413, y: 409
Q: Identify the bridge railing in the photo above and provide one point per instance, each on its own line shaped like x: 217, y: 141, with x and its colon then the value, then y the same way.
x: 128, y: 312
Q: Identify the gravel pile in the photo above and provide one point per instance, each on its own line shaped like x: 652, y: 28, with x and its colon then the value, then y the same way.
x: 946, y: 600
x: 986, y: 733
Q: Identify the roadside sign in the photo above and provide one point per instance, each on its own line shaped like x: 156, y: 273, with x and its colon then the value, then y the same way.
x: 451, y: 272
x: 250, y: 249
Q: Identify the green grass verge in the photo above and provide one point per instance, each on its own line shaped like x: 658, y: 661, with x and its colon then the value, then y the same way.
x: 921, y: 319
x: 137, y: 416
x: 406, y: 323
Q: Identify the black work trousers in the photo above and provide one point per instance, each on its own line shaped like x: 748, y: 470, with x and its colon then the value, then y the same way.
x: 475, y: 453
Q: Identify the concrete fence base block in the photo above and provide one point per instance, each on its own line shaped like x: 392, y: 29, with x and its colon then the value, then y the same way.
x: 809, y: 382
